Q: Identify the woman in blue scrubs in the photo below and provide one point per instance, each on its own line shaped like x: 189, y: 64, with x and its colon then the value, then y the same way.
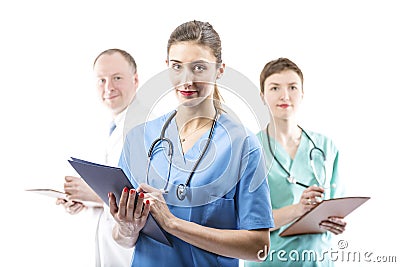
x: 288, y: 147
x: 214, y: 199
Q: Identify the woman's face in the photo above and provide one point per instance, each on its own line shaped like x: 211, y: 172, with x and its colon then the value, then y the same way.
x: 283, y: 92
x: 193, y: 71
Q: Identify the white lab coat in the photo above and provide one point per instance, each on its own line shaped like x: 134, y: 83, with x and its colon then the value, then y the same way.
x: 107, y: 252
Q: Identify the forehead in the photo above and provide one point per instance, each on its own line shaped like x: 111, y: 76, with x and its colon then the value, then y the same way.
x: 189, y: 51
x: 283, y: 77
x: 111, y: 64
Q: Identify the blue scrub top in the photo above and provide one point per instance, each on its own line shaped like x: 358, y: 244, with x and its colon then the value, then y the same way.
x: 309, y: 249
x: 229, y: 189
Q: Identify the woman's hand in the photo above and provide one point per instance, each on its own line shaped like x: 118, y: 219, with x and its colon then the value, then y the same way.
x: 335, y: 225
x: 158, y: 207
x: 129, y: 220
x: 310, y: 197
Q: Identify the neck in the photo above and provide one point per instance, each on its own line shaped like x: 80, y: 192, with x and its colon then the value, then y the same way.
x: 284, y: 131
x: 190, y: 118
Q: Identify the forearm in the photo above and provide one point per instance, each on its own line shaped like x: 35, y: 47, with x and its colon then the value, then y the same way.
x: 285, y: 215
x: 242, y: 244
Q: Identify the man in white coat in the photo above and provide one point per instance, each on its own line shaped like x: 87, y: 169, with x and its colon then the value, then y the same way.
x: 117, y: 82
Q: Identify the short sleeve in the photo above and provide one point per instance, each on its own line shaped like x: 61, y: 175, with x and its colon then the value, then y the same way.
x: 253, y: 196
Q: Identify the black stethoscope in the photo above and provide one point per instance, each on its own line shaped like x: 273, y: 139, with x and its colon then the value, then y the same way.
x: 315, y: 149
x: 181, y: 190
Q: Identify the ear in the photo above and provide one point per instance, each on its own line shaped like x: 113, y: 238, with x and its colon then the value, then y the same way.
x: 221, y: 70
x: 166, y: 62
x: 136, y: 80
x: 262, y: 98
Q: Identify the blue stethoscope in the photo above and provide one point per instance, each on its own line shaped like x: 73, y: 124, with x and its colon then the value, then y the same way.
x: 181, y: 190
x: 313, y: 150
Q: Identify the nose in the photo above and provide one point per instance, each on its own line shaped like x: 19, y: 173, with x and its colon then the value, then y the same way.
x: 109, y: 86
x: 285, y: 94
x: 187, y: 79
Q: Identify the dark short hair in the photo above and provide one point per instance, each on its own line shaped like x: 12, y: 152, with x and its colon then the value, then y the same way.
x: 277, y: 66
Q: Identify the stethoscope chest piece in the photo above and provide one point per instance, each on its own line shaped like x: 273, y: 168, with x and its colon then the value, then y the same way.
x: 181, y: 192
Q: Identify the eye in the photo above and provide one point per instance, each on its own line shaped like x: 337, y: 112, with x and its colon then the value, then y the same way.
x: 101, y: 81
x: 199, y: 68
x: 293, y: 88
x: 176, y: 66
x: 117, y: 78
x: 274, y: 88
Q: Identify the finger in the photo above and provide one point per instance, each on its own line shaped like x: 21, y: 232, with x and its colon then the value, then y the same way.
x: 315, y: 188
x: 338, y: 221
x: 112, y: 202
x: 76, y: 207
x: 60, y: 201
x: 334, y: 228
x: 123, y: 202
x: 131, y: 202
x: 139, y: 206
x: 145, y: 188
x: 146, y: 209
x: 71, y: 178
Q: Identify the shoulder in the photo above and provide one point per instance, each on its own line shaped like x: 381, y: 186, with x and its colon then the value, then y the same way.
x: 237, y: 131
x: 322, y: 141
x: 151, y: 127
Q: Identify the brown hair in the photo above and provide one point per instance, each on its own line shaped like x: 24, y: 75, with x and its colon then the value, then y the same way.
x: 125, y: 54
x: 201, y: 33
x: 277, y: 66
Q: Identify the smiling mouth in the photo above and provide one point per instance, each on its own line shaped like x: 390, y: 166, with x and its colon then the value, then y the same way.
x: 188, y: 93
x: 283, y: 106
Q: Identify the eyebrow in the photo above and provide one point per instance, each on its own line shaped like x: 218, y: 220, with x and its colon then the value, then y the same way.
x: 273, y: 83
x: 114, y: 74
x: 196, y: 61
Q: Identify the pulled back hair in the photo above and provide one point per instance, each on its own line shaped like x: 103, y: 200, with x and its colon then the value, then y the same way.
x: 201, y: 33
x: 131, y: 61
x: 277, y: 66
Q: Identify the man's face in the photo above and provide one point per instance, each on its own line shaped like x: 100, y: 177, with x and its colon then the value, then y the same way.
x: 116, y: 81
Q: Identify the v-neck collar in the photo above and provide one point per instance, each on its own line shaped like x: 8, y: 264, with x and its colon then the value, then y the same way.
x: 284, y: 157
x: 194, y: 152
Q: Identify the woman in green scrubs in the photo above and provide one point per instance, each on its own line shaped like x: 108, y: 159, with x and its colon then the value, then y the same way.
x: 287, y: 147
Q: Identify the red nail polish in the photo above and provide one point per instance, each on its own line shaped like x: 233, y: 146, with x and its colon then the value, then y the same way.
x: 125, y: 189
x: 132, y: 191
x: 147, y: 202
x: 141, y: 195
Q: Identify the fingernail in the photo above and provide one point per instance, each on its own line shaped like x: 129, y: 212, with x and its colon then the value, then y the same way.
x: 147, y: 202
x: 125, y: 189
x: 132, y: 191
x: 141, y: 195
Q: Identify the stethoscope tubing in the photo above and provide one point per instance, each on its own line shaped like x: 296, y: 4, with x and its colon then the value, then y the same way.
x: 182, y: 188
x: 291, y: 179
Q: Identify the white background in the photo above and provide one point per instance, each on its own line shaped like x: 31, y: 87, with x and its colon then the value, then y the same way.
x: 348, y: 51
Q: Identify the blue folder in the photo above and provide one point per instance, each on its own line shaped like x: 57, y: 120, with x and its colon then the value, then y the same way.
x: 104, y: 179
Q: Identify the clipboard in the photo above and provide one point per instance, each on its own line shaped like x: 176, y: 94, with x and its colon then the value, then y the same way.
x: 104, y: 179
x: 309, y: 222
x: 58, y: 194
x: 49, y: 192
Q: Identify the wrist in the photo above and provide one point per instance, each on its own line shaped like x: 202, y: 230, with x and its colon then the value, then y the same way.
x: 172, y: 224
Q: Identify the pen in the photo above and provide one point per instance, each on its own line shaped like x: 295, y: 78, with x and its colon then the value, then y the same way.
x: 292, y: 180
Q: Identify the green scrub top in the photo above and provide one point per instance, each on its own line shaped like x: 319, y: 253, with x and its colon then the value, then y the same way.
x: 309, y: 249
